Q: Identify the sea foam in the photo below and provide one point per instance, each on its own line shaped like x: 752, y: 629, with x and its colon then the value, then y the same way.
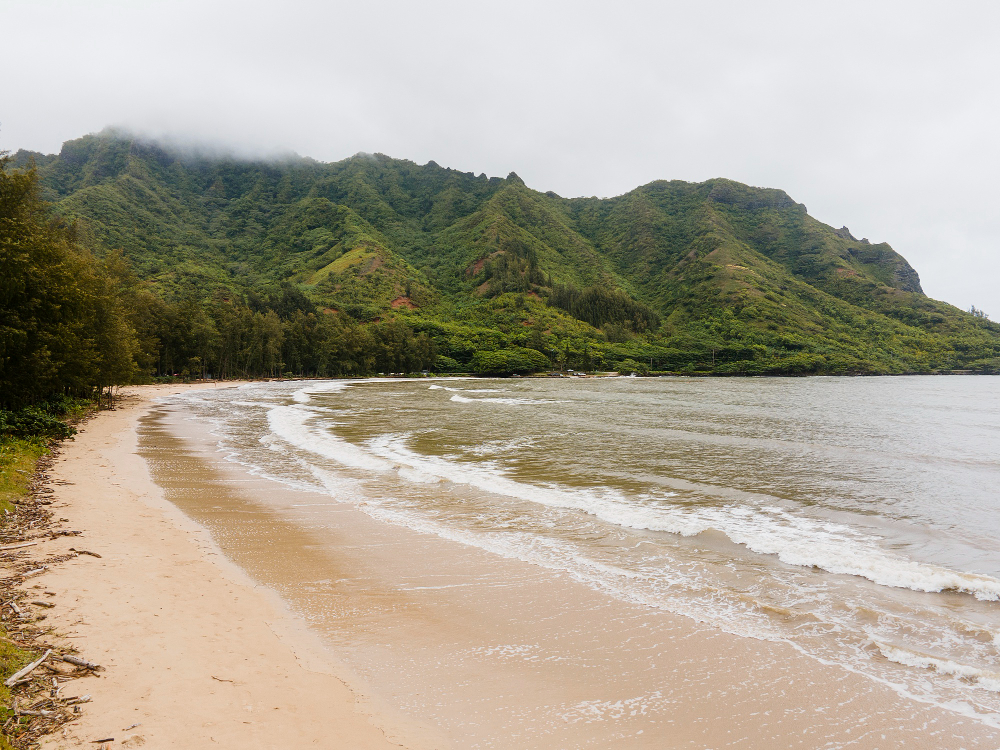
x: 984, y: 678
x: 793, y: 539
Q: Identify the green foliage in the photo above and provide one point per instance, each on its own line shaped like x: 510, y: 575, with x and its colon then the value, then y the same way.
x: 630, y: 366
x: 599, y: 307
x: 33, y: 421
x: 517, y: 360
x: 12, y: 659
x: 64, y: 316
x: 242, y: 268
x: 443, y: 363
x: 18, y: 456
x: 24, y: 435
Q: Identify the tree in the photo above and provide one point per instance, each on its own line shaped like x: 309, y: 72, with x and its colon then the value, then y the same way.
x: 509, y: 361
x: 46, y: 298
x: 66, y: 319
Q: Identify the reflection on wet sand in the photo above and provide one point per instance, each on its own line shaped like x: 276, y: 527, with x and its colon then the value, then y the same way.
x: 490, y: 652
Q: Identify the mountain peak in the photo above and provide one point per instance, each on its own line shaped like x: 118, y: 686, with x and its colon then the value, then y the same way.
x: 740, y: 272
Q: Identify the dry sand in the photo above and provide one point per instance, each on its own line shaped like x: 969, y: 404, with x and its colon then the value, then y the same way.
x: 195, y: 655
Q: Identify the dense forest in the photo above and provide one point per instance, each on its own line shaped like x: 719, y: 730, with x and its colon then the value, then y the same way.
x: 122, y: 260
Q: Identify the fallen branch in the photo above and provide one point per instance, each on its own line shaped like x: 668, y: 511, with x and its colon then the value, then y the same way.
x: 17, y: 546
x: 80, y: 662
x: 9, y: 682
x: 59, y: 669
x: 84, y: 552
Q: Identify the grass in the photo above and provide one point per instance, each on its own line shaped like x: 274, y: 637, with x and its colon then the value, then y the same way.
x: 12, y: 658
x: 18, y: 457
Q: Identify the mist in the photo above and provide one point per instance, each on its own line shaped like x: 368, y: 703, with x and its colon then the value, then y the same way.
x: 878, y: 117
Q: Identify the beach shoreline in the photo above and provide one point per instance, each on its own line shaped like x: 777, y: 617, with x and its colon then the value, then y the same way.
x: 194, y: 653
x: 182, y: 608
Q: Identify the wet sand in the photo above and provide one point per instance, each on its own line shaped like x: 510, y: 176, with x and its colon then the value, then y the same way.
x: 231, y: 611
x: 455, y: 647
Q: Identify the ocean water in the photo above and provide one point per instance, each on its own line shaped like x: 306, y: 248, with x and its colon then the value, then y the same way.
x: 857, y: 519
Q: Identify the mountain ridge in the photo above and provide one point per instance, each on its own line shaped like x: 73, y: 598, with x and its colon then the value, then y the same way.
x: 737, y: 279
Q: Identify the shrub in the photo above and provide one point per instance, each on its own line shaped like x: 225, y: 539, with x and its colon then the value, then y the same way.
x: 33, y: 421
x: 509, y: 361
x: 446, y: 364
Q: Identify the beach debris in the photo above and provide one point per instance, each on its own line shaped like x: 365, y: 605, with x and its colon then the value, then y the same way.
x: 133, y: 726
x: 84, y: 552
x: 35, y: 708
x: 17, y: 546
x: 99, y: 742
x: 76, y: 660
x: 222, y: 680
x: 14, y: 678
x: 56, y: 668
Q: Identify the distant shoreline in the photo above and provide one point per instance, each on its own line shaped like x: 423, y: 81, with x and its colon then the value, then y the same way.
x: 567, y: 375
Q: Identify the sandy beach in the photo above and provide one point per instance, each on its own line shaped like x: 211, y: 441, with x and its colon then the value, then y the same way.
x: 385, y: 637
x: 195, y: 654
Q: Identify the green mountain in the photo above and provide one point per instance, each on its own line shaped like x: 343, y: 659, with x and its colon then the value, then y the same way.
x: 708, y: 277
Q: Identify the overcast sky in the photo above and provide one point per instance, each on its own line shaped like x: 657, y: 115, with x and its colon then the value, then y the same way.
x: 880, y: 116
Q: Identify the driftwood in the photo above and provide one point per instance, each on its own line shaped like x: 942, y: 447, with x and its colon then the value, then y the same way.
x: 84, y: 552
x: 57, y: 668
x: 35, y: 691
x: 14, y: 678
x: 80, y: 662
x: 17, y: 546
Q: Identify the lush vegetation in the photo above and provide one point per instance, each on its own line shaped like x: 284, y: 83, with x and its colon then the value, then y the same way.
x: 123, y: 261
x: 154, y: 263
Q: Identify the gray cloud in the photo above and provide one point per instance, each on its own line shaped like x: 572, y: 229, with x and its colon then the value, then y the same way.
x: 881, y: 116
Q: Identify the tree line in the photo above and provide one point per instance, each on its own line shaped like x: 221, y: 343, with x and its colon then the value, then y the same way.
x: 73, y: 324
x: 233, y: 336
x: 65, y: 317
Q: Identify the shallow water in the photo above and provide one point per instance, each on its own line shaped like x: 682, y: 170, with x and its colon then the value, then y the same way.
x: 856, y: 518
